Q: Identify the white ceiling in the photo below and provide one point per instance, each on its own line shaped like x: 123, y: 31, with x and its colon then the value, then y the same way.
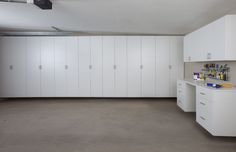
x: 117, y: 16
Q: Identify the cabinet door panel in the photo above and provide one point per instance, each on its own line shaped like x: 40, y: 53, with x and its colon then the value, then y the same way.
x: 108, y: 66
x: 148, y: 63
x: 48, y: 67
x: 73, y: 67
x: 121, y: 66
x: 96, y: 62
x: 162, y: 66
x: 176, y: 62
x: 84, y: 63
x: 134, y: 62
x: 60, y: 66
x: 19, y: 67
x: 33, y: 73
x: 5, y: 63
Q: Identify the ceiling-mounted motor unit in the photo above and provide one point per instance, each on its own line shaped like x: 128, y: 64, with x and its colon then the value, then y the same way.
x: 43, y: 4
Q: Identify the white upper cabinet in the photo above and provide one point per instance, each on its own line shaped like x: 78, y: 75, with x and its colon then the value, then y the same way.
x: 213, y: 42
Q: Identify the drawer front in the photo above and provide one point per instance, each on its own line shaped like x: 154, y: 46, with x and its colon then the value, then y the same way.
x: 179, y: 92
x: 180, y: 84
x: 204, y: 93
x: 202, y: 114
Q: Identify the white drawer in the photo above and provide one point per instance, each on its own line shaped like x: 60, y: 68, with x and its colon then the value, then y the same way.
x: 204, y: 93
x: 180, y: 84
x: 179, y: 92
x: 202, y: 112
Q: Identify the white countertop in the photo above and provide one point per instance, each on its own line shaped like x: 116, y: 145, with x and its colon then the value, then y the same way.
x: 203, y: 84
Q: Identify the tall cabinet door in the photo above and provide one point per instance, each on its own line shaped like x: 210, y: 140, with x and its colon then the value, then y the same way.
x: 19, y: 66
x: 84, y: 66
x: 13, y: 68
x: 48, y: 67
x: 96, y: 66
x: 176, y: 62
x: 148, y: 66
x: 72, y: 66
x: 121, y: 89
x: 60, y: 66
x: 134, y: 66
x: 6, y: 66
x: 162, y: 66
x: 33, y: 78
x: 108, y: 66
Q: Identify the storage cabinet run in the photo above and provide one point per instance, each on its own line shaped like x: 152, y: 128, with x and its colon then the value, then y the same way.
x: 90, y: 66
x: 213, y: 42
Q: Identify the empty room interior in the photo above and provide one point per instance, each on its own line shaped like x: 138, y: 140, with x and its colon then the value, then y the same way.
x: 117, y: 76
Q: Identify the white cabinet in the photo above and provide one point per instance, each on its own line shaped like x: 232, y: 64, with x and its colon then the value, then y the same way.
x: 109, y: 66
x: 48, y: 67
x: 90, y: 66
x: 216, y: 110
x: 176, y: 63
x: 134, y: 66
x: 163, y: 66
x: 33, y: 68
x: 72, y: 66
x: 96, y: 69
x: 84, y: 66
x: 13, y: 60
x: 213, y: 42
x: 121, y: 66
x: 60, y: 66
x: 186, y: 96
x: 148, y: 66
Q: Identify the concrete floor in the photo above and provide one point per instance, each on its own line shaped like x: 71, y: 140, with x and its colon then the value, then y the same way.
x: 103, y: 125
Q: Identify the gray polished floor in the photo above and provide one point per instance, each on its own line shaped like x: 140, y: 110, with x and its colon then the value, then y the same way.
x: 103, y: 125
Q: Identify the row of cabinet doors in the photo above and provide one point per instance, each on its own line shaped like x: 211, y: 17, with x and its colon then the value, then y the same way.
x: 90, y: 66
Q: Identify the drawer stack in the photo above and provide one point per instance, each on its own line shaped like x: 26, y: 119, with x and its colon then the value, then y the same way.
x: 203, y: 107
x: 180, y: 94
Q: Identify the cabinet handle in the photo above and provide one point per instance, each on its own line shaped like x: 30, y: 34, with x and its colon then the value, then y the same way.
x: 170, y: 67
x: 114, y: 67
x: 40, y: 67
x: 202, y: 118
x: 202, y: 103
x: 66, y: 67
x: 90, y: 67
x: 202, y: 93
x: 208, y: 56
x: 141, y: 66
x: 11, y: 67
